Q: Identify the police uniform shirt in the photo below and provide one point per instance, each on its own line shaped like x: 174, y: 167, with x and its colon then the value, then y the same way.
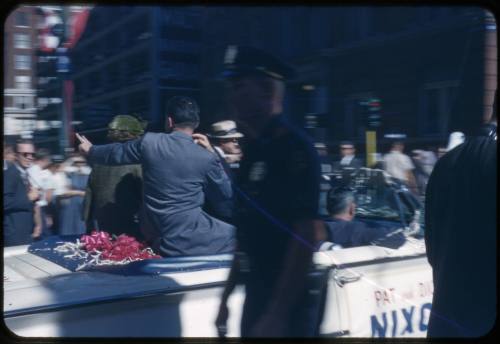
x: 278, y: 184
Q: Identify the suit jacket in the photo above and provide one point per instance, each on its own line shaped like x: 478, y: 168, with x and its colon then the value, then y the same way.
x: 178, y: 175
x: 356, y: 233
x: 18, y: 209
x: 355, y: 163
x: 222, y: 209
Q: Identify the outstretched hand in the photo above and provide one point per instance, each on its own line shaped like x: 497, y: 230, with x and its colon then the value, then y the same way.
x: 84, y: 146
x: 203, y: 141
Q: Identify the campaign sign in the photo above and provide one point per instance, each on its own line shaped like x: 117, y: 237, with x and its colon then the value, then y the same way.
x: 387, y: 299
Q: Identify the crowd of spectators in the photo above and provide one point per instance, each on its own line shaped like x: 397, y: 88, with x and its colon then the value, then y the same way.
x: 43, y: 193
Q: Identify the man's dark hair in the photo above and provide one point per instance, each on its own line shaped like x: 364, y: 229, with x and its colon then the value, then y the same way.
x: 338, y: 200
x: 22, y: 142
x: 42, y: 154
x: 184, y: 112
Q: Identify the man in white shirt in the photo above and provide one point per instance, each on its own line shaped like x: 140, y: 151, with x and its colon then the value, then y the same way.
x: 41, y: 178
x: 400, y: 166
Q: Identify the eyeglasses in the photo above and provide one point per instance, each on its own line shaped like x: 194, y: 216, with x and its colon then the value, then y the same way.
x: 27, y: 154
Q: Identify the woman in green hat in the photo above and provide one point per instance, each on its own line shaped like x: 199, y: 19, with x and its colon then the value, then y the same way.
x: 113, y: 199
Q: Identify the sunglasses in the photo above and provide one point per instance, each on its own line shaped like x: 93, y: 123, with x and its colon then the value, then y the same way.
x: 27, y: 154
x: 235, y: 140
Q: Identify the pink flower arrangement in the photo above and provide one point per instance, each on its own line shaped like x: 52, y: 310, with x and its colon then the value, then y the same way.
x: 121, y: 248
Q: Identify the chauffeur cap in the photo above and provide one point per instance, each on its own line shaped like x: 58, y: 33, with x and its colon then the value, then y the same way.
x: 245, y: 60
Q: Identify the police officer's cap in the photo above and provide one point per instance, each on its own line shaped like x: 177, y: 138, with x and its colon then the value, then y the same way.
x: 245, y: 61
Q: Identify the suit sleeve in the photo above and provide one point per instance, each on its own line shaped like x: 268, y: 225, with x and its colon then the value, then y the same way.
x: 14, y: 196
x: 125, y: 153
x: 219, y: 190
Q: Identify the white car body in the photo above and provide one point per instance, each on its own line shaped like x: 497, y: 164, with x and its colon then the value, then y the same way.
x: 372, y: 292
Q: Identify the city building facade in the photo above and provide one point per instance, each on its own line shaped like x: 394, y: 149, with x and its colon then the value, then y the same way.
x: 432, y: 69
x: 131, y: 59
x: 56, y: 36
x: 20, y: 72
x: 428, y: 66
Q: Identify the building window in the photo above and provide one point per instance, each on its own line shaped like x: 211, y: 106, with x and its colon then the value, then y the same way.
x: 21, y: 19
x: 22, y: 41
x: 23, y: 102
x: 22, y: 62
x: 42, y: 103
x: 23, y: 81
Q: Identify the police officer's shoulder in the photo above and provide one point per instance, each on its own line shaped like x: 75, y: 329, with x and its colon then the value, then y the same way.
x: 301, y: 143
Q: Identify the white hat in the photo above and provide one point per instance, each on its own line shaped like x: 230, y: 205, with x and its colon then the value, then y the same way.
x: 456, y: 138
x: 224, y: 130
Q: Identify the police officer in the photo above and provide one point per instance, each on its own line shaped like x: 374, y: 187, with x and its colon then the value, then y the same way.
x: 178, y: 175
x: 277, y: 201
x: 113, y: 195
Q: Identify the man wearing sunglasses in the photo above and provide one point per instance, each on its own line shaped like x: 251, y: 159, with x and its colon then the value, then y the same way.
x: 19, y: 197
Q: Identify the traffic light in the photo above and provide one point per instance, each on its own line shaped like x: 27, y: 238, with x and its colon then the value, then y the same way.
x: 372, y: 112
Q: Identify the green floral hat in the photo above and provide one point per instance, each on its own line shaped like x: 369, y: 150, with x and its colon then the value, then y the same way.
x: 126, y: 127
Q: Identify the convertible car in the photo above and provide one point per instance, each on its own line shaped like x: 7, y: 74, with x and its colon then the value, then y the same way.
x: 373, y: 291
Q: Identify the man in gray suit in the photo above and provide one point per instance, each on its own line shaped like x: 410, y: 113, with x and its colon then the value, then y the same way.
x: 180, y: 170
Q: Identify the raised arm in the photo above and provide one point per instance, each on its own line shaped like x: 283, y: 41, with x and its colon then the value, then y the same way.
x: 112, y: 154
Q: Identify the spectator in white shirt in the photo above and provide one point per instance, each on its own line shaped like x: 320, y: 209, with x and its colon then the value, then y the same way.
x: 60, y: 184
x: 40, y: 177
x: 400, y: 166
